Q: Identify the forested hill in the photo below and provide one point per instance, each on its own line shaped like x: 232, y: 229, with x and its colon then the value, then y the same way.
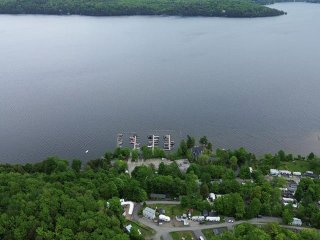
x: 217, y: 8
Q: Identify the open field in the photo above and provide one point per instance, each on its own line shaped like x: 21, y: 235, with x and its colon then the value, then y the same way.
x: 296, y: 166
x: 187, y: 235
x: 146, y: 231
x: 208, y: 233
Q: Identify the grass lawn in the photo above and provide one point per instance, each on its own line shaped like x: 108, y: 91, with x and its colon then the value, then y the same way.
x: 295, y: 166
x: 187, y: 235
x: 145, y: 230
x: 173, y: 210
x: 208, y: 233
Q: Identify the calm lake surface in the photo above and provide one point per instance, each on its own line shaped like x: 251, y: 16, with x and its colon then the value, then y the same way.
x: 71, y: 83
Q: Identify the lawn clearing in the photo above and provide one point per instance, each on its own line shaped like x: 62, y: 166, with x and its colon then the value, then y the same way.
x: 145, y: 230
x: 208, y: 233
x: 187, y: 235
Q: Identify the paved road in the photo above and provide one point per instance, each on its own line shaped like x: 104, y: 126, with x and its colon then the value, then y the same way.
x: 164, y: 230
x: 162, y: 202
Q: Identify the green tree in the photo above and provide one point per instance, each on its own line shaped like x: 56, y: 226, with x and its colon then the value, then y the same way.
x: 287, y: 216
x: 204, y: 190
x: 234, y: 162
x: 76, y: 165
x: 204, y: 141
x: 135, y: 154
x: 254, y: 208
x: 190, y: 142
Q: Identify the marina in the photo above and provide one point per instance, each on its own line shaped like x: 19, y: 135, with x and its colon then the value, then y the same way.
x: 152, y: 141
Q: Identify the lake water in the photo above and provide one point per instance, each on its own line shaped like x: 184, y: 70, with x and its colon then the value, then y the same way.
x: 71, y: 83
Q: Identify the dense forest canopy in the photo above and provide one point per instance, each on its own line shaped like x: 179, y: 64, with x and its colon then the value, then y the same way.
x: 220, y: 8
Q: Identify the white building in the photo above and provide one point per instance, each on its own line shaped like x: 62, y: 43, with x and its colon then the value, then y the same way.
x: 128, y: 203
x: 212, y: 196
x: 296, y: 222
x: 274, y: 172
x: 297, y: 174
x: 213, y: 219
x: 149, y: 213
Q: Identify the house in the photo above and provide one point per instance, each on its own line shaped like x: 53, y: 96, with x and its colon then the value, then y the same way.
x: 149, y: 213
x: 274, y: 172
x: 128, y: 228
x: 129, y: 208
x: 197, y: 151
x: 211, y: 197
x: 297, y: 174
x: 296, y: 222
x: 292, y: 201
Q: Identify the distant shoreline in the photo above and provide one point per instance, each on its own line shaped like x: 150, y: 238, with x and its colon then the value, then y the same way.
x: 184, y: 8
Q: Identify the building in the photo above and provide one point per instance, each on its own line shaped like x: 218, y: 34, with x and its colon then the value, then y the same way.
x: 149, y: 213
x: 128, y: 228
x: 197, y: 151
x: 297, y: 174
x: 129, y: 207
x: 274, y: 172
x: 212, y: 197
x: 296, y: 222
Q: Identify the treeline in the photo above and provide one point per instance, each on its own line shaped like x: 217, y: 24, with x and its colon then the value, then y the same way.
x: 218, y: 8
x: 270, y: 231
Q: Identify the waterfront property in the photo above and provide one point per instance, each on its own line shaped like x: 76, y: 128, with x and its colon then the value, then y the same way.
x: 149, y: 213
